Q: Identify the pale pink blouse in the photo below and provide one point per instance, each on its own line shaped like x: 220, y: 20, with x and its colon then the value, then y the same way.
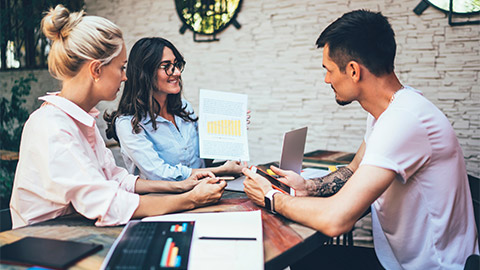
x: 65, y: 167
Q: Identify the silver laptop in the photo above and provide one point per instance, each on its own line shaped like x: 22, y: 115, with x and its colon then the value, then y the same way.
x: 293, y: 147
x: 292, y: 150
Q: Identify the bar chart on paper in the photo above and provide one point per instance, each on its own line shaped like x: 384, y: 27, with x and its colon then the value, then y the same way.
x: 224, y: 127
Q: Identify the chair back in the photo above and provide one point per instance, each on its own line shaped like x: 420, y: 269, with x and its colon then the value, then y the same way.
x: 475, y: 190
x: 473, y: 261
x: 5, y: 220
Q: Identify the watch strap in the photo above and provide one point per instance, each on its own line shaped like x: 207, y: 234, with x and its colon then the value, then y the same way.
x: 269, y: 201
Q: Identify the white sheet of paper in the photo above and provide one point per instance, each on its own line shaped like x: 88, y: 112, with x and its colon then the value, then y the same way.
x: 309, y: 173
x: 223, y: 254
x: 223, y: 125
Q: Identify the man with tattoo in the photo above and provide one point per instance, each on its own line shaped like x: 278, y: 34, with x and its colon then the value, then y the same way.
x: 329, y: 184
x: 409, y: 169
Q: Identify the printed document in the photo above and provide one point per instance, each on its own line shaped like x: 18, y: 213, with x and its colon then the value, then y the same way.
x: 223, y: 125
x: 225, y: 240
x: 309, y: 173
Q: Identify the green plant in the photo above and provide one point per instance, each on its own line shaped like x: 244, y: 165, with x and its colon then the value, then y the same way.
x: 7, y: 173
x: 13, y: 115
x: 12, y: 118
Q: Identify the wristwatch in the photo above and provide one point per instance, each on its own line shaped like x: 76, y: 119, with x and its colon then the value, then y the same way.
x: 269, y: 202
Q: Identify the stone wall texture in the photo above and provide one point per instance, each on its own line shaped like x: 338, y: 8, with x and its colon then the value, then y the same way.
x: 273, y: 59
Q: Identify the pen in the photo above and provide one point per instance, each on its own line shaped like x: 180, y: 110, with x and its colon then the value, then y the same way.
x: 228, y: 238
x: 226, y: 177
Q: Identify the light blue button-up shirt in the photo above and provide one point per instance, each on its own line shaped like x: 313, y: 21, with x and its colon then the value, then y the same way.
x: 167, y: 153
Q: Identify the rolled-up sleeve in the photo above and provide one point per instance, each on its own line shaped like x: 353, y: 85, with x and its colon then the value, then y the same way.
x: 140, y: 150
x: 126, y: 180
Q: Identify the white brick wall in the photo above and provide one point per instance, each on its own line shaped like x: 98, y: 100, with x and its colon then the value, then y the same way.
x: 45, y: 83
x: 273, y: 59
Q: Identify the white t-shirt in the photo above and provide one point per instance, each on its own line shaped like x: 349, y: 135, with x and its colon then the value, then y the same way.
x: 424, y: 220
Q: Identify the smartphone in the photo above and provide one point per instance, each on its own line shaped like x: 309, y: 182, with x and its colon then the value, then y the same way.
x: 276, y: 184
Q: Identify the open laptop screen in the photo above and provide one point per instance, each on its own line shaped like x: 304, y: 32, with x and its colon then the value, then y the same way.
x: 292, y: 149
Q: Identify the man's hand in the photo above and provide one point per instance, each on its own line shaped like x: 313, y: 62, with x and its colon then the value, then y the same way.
x: 208, y: 191
x: 256, y: 186
x: 292, y: 179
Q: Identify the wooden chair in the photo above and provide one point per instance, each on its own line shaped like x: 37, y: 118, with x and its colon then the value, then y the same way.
x: 347, y: 238
x: 473, y: 261
x: 5, y: 220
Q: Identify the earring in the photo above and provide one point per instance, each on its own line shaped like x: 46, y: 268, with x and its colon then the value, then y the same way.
x: 96, y: 79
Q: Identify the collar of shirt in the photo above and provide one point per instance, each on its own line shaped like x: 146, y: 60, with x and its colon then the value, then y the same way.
x: 147, y: 119
x: 72, y: 109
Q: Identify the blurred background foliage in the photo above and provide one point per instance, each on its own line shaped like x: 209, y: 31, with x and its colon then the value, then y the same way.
x: 12, y: 118
x: 22, y: 43
x: 22, y: 47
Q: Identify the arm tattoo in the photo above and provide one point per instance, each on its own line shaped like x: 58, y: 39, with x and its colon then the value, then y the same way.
x: 331, y: 183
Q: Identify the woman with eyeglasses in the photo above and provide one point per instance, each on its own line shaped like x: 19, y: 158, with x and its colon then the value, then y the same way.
x: 156, y: 128
x: 64, y: 166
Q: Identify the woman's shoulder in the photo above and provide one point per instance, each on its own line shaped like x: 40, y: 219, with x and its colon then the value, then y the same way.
x: 50, y: 121
x: 123, y: 118
x: 187, y: 105
x: 49, y: 115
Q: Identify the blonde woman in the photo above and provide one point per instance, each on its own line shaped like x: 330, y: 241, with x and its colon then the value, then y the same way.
x: 64, y: 166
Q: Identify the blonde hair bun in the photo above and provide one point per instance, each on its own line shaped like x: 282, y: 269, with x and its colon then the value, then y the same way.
x: 77, y: 38
x: 59, y: 22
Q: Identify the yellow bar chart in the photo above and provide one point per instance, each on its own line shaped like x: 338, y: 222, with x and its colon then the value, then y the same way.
x: 224, y: 127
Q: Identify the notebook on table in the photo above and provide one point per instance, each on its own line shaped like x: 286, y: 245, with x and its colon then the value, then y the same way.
x: 293, y: 147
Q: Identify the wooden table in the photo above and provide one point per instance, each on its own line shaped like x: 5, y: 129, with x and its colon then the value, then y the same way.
x: 284, y: 241
x: 8, y: 155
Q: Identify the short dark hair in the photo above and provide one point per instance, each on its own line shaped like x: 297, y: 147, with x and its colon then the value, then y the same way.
x: 363, y: 36
x: 137, y: 97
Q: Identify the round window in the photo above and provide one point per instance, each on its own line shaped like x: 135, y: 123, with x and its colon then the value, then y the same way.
x: 207, y: 17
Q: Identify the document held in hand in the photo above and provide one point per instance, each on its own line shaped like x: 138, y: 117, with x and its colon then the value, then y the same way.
x: 223, y: 125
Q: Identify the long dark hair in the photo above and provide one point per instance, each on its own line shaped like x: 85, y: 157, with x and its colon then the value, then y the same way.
x: 137, y: 98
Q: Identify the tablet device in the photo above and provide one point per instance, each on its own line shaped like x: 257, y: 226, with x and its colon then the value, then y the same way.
x: 276, y: 184
x: 162, y: 245
x: 51, y: 253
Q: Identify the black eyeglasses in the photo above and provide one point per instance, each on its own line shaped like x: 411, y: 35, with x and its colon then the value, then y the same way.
x: 169, y: 67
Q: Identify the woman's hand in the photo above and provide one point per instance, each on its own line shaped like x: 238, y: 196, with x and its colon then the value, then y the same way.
x: 232, y: 167
x: 208, y: 191
x: 293, y: 180
x: 200, y: 174
x: 194, y: 179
